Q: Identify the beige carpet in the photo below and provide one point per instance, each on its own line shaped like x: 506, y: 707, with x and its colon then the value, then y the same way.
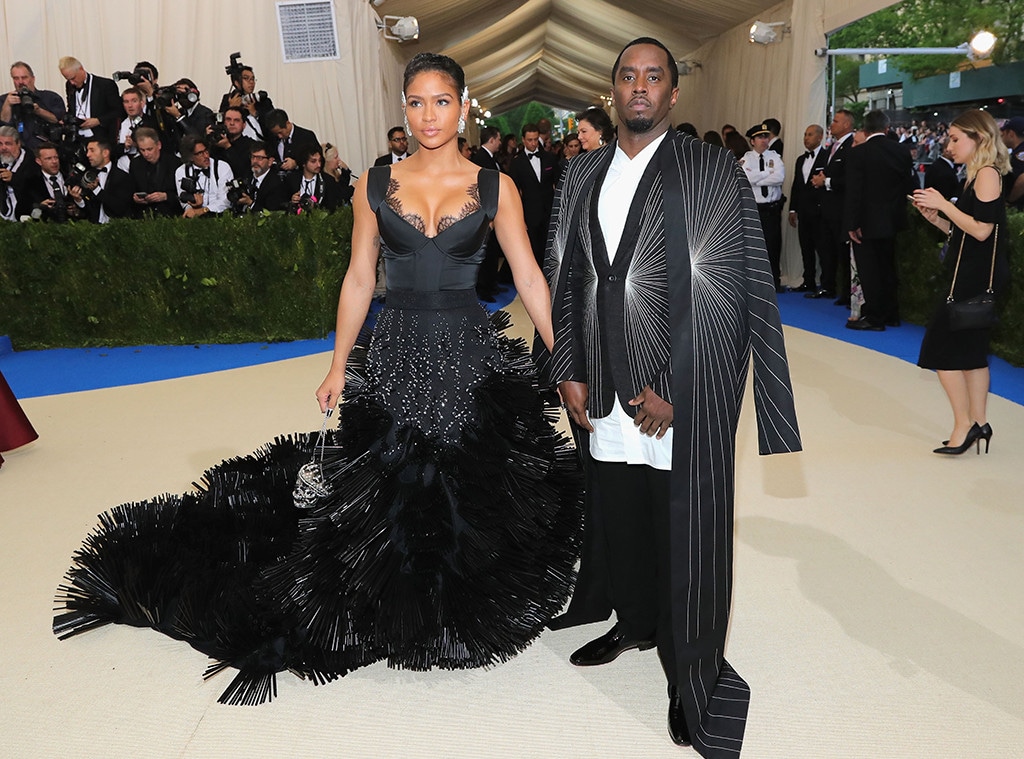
x: 877, y: 607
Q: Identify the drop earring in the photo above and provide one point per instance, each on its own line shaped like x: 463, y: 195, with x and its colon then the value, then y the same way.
x: 405, y: 118
x: 462, y: 124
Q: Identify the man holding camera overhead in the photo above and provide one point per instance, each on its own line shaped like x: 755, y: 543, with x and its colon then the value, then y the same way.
x: 255, y: 105
x: 229, y: 141
x: 28, y: 109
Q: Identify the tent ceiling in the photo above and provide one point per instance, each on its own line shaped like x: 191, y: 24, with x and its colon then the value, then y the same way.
x: 558, y: 52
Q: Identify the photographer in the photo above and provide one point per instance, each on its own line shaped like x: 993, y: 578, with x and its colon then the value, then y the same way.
x: 288, y: 139
x: 92, y: 100
x: 201, y: 180
x: 190, y: 116
x: 337, y: 170
x: 134, y: 103
x: 152, y: 176
x: 104, y: 193
x: 16, y: 172
x: 255, y: 105
x: 30, y: 110
x: 48, y: 190
x: 265, y: 190
x: 309, y: 188
x: 229, y: 142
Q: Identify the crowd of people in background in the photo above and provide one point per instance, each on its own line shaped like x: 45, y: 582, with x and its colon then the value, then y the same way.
x: 97, y: 154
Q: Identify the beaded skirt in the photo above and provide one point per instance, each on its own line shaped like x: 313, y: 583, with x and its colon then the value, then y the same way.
x: 449, y: 537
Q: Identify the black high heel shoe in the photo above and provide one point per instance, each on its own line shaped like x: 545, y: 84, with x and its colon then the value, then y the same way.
x: 986, y: 435
x: 974, y: 436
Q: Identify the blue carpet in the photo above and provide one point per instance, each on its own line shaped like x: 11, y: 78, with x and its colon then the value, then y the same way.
x: 37, y: 373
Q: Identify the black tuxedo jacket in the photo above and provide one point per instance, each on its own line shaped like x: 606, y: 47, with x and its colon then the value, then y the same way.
x: 271, y: 195
x: 537, y: 195
x: 327, y: 191
x: 37, y: 191
x: 776, y: 145
x: 384, y: 160
x: 115, y: 198
x: 484, y: 159
x: 832, y: 200
x: 804, y: 197
x: 159, y: 177
x: 943, y: 178
x: 293, y: 145
x: 21, y: 180
x: 104, y: 103
x: 879, y: 176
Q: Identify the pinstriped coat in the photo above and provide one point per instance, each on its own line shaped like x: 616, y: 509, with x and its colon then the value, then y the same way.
x: 689, y: 299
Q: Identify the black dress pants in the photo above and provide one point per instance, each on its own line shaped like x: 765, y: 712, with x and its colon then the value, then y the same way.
x: 835, y: 258
x: 808, y: 228
x: 876, y: 267
x: 634, y: 503
x: 771, y: 226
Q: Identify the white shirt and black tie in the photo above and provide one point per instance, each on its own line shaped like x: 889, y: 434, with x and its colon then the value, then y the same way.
x: 534, y: 159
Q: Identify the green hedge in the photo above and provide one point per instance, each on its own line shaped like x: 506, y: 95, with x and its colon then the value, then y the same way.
x: 924, y: 282
x: 172, y: 281
x: 227, y: 280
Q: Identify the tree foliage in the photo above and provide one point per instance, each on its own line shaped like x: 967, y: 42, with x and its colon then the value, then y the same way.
x: 938, y: 23
x: 512, y: 121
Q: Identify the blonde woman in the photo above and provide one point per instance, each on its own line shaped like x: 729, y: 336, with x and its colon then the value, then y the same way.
x: 976, y: 226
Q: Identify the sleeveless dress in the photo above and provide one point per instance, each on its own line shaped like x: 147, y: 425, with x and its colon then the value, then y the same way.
x: 943, y: 348
x: 451, y: 531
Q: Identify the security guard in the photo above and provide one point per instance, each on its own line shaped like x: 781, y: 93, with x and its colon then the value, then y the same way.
x: 766, y: 173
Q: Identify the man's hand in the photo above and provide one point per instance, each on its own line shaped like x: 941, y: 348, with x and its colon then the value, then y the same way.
x: 792, y: 219
x: 818, y: 179
x: 289, y: 164
x: 654, y: 415
x: 156, y: 197
x: 855, y: 235
x: 90, y: 123
x: 245, y: 200
x: 193, y: 212
x: 574, y: 398
x: 6, y: 175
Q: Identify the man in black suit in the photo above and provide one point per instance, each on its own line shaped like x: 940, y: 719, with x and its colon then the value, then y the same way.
x: 533, y: 171
x: 288, y: 139
x: 109, y: 195
x: 941, y: 174
x: 399, y: 144
x: 134, y: 103
x: 805, y: 205
x: 152, y: 176
x: 879, y: 176
x: 48, y: 190
x: 266, y: 189
x: 487, y: 276
x: 834, y: 255
x: 233, y: 147
x: 17, y: 171
x: 93, y: 99
x: 775, y: 128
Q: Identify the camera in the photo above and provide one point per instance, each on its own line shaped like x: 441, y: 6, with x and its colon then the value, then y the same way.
x: 168, y: 96
x: 27, y: 97
x: 236, y: 188
x: 217, y: 130
x: 305, y: 204
x: 138, y: 76
x: 234, y: 67
x: 189, y: 188
x: 82, y: 175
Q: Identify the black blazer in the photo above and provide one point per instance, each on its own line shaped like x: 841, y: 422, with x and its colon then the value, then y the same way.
x: 832, y: 200
x: 36, y: 192
x: 384, y: 160
x: 328, y: 191
x: 271, y: 195
x: 484, y: 159
x: 537, y: 196
x: 159, y: 177
x: 104, y: 103
x: 115, y: 198
x: 21, y: 180
x: 293, y: 146
x: 804, y: 197
x: 943, y: 178
x: 879, y: 176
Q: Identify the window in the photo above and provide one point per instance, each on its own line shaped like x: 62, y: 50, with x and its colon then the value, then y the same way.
x: 308, y: 31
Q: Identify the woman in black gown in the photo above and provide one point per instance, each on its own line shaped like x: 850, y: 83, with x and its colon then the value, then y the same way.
x: 977, y: 225
x: 451, y: 527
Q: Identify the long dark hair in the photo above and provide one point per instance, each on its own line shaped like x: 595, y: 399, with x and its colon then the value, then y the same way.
x: 435, y: 62
x: 600, y: 120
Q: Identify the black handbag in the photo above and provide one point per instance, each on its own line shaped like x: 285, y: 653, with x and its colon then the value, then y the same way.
x: 978, y: 312
x: 310, y: 484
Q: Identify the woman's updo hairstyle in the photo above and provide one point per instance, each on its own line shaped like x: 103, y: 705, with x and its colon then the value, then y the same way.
x: 435, y: 62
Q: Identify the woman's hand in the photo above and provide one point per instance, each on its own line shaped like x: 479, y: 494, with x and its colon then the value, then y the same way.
x: 929, y: 198
x: 330, y: 389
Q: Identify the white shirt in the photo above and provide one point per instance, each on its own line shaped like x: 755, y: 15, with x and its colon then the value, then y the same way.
x: 809, y: 163
x: 213, y: 186
x: 615, y: 436
x: 770, y: 178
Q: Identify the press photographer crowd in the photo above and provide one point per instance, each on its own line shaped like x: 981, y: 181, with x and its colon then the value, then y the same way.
x: 99, y: 154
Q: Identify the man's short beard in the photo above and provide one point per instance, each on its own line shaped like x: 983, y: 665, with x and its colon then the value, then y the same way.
x: 639, y: 125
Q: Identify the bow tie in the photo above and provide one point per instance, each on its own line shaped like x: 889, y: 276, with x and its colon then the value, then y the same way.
x: 102, y: 171
x: 808, y: 153
x: 533, y: 155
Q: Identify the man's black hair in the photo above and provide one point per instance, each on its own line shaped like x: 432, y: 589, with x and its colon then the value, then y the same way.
x: 673, y: 70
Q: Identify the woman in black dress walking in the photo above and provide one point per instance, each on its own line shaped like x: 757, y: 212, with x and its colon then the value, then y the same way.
x: 976, y: 225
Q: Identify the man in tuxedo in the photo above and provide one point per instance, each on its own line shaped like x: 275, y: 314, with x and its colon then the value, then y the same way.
x: 32, y: 119
x: 17, y: 171
x: 310, y: 187
x: 651, y: 367
x: 109, y: 195
x: 152, y: 176
x: 255, y: 105
x: 533, y: 171
x: 266, y: 190
x: 941, y: 174
x: 487, y: 275
x: 774, y: 142
x: 48, y: 190
x: 94, y: 100
x: 134, y: 102
x: 233, y: 146
x: 191, y: 118
x: 288, y: 139
x: 805, y: 205
x: 398, y: 143
x: 834, y: 250
x: 879, y: 176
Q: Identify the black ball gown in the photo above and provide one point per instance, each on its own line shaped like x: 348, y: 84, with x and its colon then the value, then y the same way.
x: 450, y: 534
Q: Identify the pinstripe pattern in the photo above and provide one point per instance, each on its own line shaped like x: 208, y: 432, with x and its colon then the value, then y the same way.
x: 699, y: 289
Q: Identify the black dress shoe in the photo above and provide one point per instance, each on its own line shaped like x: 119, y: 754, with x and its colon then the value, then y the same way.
x: 676, y: 719
x: 805, y: 288
x: 863, y: 324
x: 821, y: 294
x: 607, y: 648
